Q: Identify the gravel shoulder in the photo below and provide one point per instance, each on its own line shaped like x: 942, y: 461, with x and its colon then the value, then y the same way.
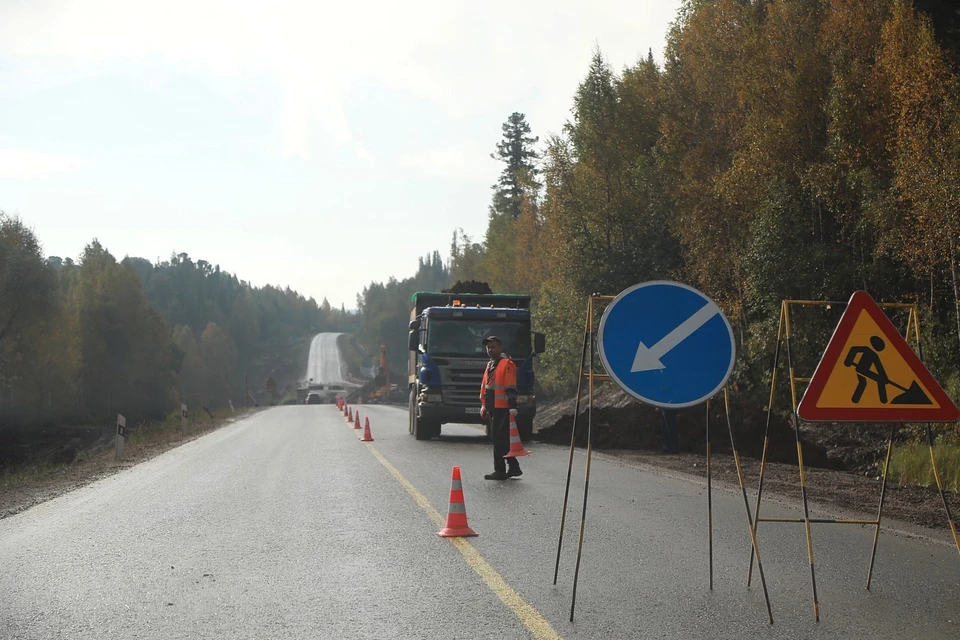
x: 97, y: 464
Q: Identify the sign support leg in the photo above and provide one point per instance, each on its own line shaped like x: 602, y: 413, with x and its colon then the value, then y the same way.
x: 883, y: 494
x: 586, y: 481
x: 746, y: 504
x: 766, y: 434
x: 709, y: 500
x: 573, y: 440
x: 803, y: 493
x: 943, y: 497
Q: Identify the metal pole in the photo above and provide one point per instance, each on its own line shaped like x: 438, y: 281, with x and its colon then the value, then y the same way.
x: 943, y: 497
x: 709, y: 500
x: 746, y: 504
x: 766, y: 432
x: 586, y: 481
x: 803, y: 484
x: 573, y: 436
x: 883, y: 493
x: 933, y: 459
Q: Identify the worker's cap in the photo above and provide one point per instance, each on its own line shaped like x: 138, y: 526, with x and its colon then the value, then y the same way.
x: 492, y: 339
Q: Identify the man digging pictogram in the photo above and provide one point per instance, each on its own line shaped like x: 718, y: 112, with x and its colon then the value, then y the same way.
x: 867, y: 365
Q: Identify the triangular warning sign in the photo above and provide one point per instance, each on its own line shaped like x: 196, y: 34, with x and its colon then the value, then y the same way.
x: 868, y: 373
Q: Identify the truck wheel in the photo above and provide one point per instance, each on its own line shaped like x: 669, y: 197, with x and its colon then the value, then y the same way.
x: 413, y: 410
x: 423, y: 430
x: 420, y: 428
x: 525, y: 428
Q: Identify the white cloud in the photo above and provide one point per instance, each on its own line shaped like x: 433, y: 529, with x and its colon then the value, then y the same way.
x: 464, y: 59
x: 28, y: 165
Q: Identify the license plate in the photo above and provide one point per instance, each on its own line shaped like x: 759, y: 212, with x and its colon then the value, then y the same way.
x: 473, y: 409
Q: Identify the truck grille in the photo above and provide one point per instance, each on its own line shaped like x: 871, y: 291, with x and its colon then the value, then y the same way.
x: 461, y: 386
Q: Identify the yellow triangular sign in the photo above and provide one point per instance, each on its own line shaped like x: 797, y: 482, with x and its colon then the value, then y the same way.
x: 869, y: 373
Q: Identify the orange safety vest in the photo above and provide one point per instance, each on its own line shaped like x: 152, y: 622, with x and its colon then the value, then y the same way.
x: 504, y: 378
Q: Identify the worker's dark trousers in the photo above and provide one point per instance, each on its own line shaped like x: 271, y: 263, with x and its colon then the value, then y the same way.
x: 500, y: 433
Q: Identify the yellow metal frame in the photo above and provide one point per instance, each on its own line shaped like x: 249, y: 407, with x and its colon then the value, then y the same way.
x: 784, y: 334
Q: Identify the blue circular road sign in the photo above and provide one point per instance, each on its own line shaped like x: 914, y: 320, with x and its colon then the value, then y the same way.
x: 667, y: 344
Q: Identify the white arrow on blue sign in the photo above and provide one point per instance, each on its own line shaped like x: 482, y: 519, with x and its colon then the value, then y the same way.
x: 666, y: 344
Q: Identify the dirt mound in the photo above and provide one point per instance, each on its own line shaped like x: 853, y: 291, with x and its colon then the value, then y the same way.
x: 621, y: 422
x: 470, y: 286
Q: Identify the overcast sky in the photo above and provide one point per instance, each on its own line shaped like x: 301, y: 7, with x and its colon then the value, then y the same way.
x: 311, y: 144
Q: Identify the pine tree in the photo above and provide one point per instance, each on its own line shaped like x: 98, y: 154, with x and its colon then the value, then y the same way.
x: 519, y: 176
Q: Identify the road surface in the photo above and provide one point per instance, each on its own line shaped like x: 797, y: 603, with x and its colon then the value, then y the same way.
x: 324, y: 364
x: 284, y: 525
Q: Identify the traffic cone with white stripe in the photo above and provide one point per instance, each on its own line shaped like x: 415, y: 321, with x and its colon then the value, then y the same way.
x: 356, y: 420
x: 516, y: 446
x: 349, y: 414
x: 457, y: 512
x: 366, y: 429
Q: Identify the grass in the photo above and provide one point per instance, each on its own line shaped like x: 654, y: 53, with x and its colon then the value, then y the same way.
x: 169, y: 429
x: 910, y: 464
x: 29, y: 472
x: 140, y: 435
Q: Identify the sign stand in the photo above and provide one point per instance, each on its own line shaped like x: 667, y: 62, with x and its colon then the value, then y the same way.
x: 833, y: 410
x: 751, y: 523
x: 588, y: 371
x: 710, y: 499
x: 943, y: 497
x: 587, y: 332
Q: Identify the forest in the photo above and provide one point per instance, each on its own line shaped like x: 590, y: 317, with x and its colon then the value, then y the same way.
x: 83, y: 340
x: 789, y: 149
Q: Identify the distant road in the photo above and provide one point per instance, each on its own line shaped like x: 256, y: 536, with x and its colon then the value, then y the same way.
x: 324, y: 365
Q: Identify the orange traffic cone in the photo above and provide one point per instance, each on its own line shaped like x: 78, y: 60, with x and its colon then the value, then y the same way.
x: 457, y: 512
x: 516, y: 447
x: 366, y: 437
x: 350, y: 414
x: 356, y: 421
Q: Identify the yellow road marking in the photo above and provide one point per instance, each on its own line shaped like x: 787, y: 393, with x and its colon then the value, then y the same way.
x: 530, y: 617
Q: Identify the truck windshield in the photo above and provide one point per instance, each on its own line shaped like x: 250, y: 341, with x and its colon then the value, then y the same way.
x: 465, y: 337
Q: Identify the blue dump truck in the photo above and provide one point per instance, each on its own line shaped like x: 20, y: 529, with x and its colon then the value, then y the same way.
x: 447, y: 357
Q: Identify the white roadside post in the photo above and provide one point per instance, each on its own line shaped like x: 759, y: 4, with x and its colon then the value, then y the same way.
x: 183, y: 417
x: 121, y: 435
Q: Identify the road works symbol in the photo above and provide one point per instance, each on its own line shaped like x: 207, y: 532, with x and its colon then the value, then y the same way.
x: 868, y: 373
x: 666, y: 344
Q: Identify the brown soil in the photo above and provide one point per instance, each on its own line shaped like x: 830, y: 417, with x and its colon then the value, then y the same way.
x: 97, y: 463
x: 843, y: 463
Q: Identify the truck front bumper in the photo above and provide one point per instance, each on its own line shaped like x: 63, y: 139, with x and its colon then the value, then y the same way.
x: 442, y: 413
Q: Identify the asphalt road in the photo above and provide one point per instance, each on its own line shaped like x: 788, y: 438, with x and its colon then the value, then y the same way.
x: 324, y: 364
x: 284, y: 525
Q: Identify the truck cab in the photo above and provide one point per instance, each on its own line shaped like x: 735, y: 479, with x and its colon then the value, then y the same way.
x: 448, y: 357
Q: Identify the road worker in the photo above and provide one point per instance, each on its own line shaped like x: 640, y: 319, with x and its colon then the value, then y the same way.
x: 498, y: 403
